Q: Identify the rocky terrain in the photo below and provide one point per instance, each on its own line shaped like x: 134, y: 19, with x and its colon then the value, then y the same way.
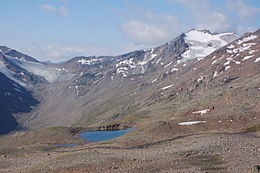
x: 194, y: 101
x: 138, y: 151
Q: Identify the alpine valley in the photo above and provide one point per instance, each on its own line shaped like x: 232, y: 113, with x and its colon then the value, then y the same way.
x: 194, y: 101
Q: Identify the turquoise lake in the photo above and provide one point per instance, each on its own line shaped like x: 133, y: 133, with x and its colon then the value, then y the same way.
x: 97, y: 136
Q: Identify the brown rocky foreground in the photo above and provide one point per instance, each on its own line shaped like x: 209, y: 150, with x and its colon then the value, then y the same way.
x: 159, y: 148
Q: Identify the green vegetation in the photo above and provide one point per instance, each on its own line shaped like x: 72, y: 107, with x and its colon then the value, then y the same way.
x: 209, y: 162
x: 254, y: 128
x: 53, y: 129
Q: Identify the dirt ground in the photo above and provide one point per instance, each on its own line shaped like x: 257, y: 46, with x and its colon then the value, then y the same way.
x: 139, y: 152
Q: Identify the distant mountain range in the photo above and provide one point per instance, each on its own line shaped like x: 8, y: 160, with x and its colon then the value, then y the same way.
x: 196, y: 71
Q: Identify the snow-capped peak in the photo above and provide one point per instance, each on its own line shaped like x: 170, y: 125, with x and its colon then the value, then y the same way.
x: 202, y: 43
x: 206, y: 36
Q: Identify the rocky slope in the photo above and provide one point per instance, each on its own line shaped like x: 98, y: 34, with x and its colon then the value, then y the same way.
x: 14, y: 99
x: 108, y: 89
x: 21, y: 80
x: 194, y: 101
x: 197, y: 71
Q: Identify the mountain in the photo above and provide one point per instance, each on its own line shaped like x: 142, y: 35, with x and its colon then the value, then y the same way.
x: 27, y: 70
x: 14, y: 98
x: 21, y: 80
x: 195, y: 98
x: 197, y: 71
x: 106, y: 89
x: 190, y: 45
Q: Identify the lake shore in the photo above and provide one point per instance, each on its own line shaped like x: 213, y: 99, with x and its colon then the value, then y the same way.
x: 139, y: 151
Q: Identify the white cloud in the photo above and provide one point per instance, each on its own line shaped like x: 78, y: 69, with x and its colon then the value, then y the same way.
x: 48, y: 8
x: 220, y: 18
x: 244, y: 29
x: 244, y: 11
x: 152, y: 29
x: 62, y: 11
x: 57, y: 53
x: 245, y: 15
x: 205, y: 16
x: 214, y: 21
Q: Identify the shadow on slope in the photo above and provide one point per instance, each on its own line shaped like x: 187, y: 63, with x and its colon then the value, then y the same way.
x: 13, y: 99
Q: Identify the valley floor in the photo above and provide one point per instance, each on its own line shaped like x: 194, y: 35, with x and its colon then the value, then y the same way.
x: 211, y: 152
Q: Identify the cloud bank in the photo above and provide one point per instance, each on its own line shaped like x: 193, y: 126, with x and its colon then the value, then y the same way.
x: 231, y: 15
x: 62, y: 11
x: 153, y: 29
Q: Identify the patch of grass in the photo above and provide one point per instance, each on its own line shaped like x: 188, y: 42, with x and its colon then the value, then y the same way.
x: 209, y: 162
x: 8, y: 150
x: 54, y: 129
x: 254, y: 128
x: 139, y: 116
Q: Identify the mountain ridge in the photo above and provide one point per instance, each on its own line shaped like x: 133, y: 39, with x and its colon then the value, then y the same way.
x: 124, y: 88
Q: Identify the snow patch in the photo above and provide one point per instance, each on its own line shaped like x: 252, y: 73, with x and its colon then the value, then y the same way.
x: 7, y: 93
x: 205, y: 37
x: 89, y: 61
x: 18, y: 90
x: 123, y: 71
x: 202, y: 43
x: 227, y: 67
x: 215, y: 74
x: 200, y: 79
x: 188, y: 123
x: 8, y: 73
x: 252, y: 51
x: 199, y: 59
x: 257, y: 59
x: 226, y: 63
x: 174, y: 69
x: 241, y: 48
x: 251, y: 37
x: 247, y: 57
x: 154, y: 80
x: 49, y: 73
x: 231, y: 46
x: 153, y: 55
x: 168, y: 65
x: 158, y: 60
x: 237, y: 62
x: 169, y: 86
x: 128, y: 62
x: 20, y: 99
x: 201, y: 112
x: 214, y: 62
x: 230, y: 51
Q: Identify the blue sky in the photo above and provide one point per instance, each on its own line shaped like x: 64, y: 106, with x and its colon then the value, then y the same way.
x: 57, y: 30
